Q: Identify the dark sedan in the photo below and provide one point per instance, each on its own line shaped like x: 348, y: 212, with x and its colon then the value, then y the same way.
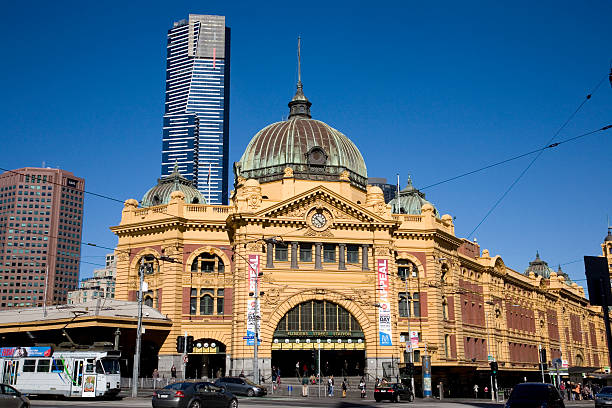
x: 397, y: 392
x: 536, y: 395
x: 193, y: 395
x: 241, y: 386
x: 10, y: 397
x: 603, y: 398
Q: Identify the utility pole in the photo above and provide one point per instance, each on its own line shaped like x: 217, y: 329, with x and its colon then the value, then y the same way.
x: 408, y: 297
x: 319, y: 366
x: 136, y: 364
x: 256, y: 339
x: 541, y: 361
x: 185, y: 358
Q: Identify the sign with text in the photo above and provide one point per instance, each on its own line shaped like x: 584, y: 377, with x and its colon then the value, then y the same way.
x: 252, y: 305
x: 26, y: 351
x: 384, y: 309
x: 414, y: 338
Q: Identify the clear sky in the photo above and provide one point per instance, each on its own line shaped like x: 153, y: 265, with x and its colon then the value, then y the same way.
x: 431, y: 89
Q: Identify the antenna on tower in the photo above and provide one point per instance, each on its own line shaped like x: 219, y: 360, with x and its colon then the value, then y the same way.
x: 299, y: 61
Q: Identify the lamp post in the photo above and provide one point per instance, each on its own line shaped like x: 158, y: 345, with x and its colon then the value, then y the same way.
x: 136, y: 365
x: 489, y: 350
x: 410, y: 353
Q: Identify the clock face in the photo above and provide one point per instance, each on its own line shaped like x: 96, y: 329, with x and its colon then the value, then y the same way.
x: 318, y: 220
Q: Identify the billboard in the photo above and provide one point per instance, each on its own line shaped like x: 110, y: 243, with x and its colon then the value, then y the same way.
x: 26, y: 351
x: 384, y: 309
x: 252, y: 304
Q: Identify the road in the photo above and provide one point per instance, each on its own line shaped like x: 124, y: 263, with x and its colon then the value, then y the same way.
x: 277, y: 402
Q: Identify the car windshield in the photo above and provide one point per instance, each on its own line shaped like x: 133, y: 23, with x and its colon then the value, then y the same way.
x: 178, y: 386
x: 111, y: 366
x: 606, y: 390
x: 532, y: 392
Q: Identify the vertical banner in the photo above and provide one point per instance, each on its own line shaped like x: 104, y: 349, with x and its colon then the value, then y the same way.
x: 414, y: 338
x: 426, y: 369
x: 252, y: 312
x: 384, y: 310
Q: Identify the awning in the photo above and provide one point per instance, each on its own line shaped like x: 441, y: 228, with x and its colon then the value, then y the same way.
x: 580, y: 370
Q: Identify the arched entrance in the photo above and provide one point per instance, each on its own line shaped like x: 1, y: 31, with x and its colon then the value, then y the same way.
x: 318, y: 327
x: 207, y: 359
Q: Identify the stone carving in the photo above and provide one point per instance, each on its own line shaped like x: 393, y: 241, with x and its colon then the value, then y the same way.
x: 382, y: 251
x: 360, y: 296
x: 380, y: 208
x: 288, y: 172
x: 312, y: 233
x: 272, y: 296
x: 344, y: 176
x: 122, y: 257
x: 298, y: 212
x: 254, y: 201
x: 253, y: 247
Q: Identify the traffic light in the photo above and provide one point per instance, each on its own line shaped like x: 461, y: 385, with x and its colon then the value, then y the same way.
x: 494, y: 368
x: 190, y: 344
x: 180, y: 344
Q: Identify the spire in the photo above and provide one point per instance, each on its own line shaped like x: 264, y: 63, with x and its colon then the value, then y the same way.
x: 299, y: 105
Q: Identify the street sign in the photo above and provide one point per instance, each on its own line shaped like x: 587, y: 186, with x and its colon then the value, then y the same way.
x: 185, y: 358
x: 489, y: 358
x: 249, y: 337
x: 564, y: 364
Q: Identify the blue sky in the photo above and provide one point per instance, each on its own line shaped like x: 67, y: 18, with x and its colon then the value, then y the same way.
x: 422, y: 88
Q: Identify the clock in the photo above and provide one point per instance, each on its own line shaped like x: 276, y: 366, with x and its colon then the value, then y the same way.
x: 318, y: 220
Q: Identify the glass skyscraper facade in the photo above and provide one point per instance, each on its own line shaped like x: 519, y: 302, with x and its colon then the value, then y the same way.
x: 196, y: 118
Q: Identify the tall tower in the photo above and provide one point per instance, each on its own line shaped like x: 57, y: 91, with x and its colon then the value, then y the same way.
x: 41, y: 219
x: 196, y: 118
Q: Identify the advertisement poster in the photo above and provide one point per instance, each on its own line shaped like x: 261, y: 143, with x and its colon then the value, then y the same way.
x: 89, y: 387
x: 414, y: 338
x: 252, y: 312
x: 384, y: 310
x: 26, y: 351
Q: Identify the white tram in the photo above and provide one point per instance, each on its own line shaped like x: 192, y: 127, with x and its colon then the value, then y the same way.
x: 70, y: 373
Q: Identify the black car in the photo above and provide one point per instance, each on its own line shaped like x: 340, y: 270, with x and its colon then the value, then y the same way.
x: 193, y: 395
x: 536, y: 395
x: 11, y: 398
x: 241, y: 386
x: 604, y: 398
x: 393, y: 392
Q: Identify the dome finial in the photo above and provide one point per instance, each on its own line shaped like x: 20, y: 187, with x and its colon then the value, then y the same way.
x: 299, y: 105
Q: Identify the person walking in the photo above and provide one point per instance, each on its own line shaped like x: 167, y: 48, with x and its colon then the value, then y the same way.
x: 173, y: 371
x: 344, y: 387
x: 304, y: 386
x: 362, y: 387
x: 330, y: 386
x: 155, y: 378
x: 297, y: 369
x: 475, y: 390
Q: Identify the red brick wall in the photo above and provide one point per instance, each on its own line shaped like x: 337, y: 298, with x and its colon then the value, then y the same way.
x: 422, y: 259
x: 453, y: 346
x: 553, y: 325
x: 186, y: 293
x: 575, y: 326
x: 133, y: 295
x: 228, y: 302
x: 423, y: 299
x: 593, y: 336
x: 451, y: 307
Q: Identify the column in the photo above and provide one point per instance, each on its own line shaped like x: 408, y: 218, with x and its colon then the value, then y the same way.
x: 318, y: 247
x: 342, y: 256
x: 269, y: 255
x: 294, y: 255
x: 364, y: 257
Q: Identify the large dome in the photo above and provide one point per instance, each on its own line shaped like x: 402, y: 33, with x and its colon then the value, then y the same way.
x: 160, y: 193
x: 313, y: 149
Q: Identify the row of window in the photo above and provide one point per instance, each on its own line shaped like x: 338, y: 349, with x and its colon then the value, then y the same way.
x: 318, y: 315
x: 305, y: 250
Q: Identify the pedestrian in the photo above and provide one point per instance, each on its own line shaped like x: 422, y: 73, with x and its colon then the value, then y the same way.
x: 562, y: 389
x: 173, y: 371
x: 305, y: 370
x: 568, y: 389
x: 475, y: 390
x: 344, y: 388
x: 155, y: 376
x: 486, y: 390
x: 304, y: 386
x: 297, y: 369
x: 241, y: 375
x: 330, y: 386
x: 362, y: 387
x: 312, y: 379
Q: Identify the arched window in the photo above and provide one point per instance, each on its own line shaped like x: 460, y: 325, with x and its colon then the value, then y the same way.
x: 206, y: 301
x: 150, y: 264
x: 208, y: 263
x: 148, y: 300
x: 318, y: 315
x: 407, y: 269
x: 444, y: 308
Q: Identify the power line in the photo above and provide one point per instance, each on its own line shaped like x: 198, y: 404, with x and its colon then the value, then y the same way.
x: 550, y: 146
x: 500, y: 199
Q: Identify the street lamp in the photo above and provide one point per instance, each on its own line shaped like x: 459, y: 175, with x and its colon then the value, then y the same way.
x: 490, y: 350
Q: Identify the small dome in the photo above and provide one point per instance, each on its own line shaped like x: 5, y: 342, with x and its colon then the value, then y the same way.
x: 311, y: 148
x: 411, y: 201
x: 608, y: 237
x: 162, y: 192
x: 539, y: 267
x: 564, y: 275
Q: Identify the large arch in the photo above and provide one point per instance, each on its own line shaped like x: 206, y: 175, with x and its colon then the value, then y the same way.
x: 134, y: 263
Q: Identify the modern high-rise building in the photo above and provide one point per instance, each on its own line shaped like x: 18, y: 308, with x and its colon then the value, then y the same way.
x: 196, y: 118
x: 100, y: 286
x: 41, y: 218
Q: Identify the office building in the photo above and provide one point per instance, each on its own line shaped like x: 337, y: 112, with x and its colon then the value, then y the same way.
x: 100, y: 286
x: 196, y: 117
x: 389, y: 190
x: 41, y: 218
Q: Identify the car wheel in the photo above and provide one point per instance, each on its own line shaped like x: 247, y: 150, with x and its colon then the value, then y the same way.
x: 233, y: 403
x: 195, y: 404
x: 250, y: 393
x: 377, y: 399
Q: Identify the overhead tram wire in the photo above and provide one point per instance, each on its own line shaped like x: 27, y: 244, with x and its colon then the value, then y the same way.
x: 550, y: 146
x: 554, y: 136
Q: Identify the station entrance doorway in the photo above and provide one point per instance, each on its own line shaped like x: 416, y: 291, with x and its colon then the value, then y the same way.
x: 318, y: 328
x: 207, y: 359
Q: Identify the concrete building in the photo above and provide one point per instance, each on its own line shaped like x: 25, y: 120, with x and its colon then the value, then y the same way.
x: 100, y: 285
x: 307, y: 256
x: 41, y: 217
x: 196, y: 117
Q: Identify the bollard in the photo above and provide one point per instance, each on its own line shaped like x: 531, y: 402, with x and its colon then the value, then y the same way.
x: 289, y: 389
x: 441, y: 387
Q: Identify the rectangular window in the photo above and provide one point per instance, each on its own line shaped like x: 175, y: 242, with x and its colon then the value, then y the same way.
x: 416, y: 304
x: 404, y: 310
x: 43, y: 366
x: 331, y: 316
x: 329, y: 253
x: 293, y: 319
x: 306, y: 316
x: 28, y: 365
x: 220, y: 298
x: 318, y: 315
x: 206, y: 301
x: 193, y: 302
x: 343, y: 319
x: 352, y: 254
x: 305, y: 252
x: 280, y: 253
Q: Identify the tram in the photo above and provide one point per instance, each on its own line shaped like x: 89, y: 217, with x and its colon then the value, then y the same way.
x: 69, y: 373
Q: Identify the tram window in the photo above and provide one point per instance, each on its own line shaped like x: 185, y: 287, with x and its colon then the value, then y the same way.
x: 89, y: 367
x: 28, y: 366
x: 99, y: 369
x: 58, y: 366
x: 110, y: 366
x: 43, y: 366
x: 305, y: 252
x: 352, y: 254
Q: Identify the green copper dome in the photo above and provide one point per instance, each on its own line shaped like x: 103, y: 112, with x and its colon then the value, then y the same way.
x: 411, y: 201
x: 313, y: 150
x: 539, y: 267
x: 160, y: 194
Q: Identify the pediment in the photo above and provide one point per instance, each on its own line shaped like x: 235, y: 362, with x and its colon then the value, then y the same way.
x: 341, y: 209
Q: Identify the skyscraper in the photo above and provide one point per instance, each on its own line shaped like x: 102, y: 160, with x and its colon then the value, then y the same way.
x: 196, y: 118
x: 41, y: 218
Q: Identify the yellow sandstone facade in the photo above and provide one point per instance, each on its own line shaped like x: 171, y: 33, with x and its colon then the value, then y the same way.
x: 341, y: 270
